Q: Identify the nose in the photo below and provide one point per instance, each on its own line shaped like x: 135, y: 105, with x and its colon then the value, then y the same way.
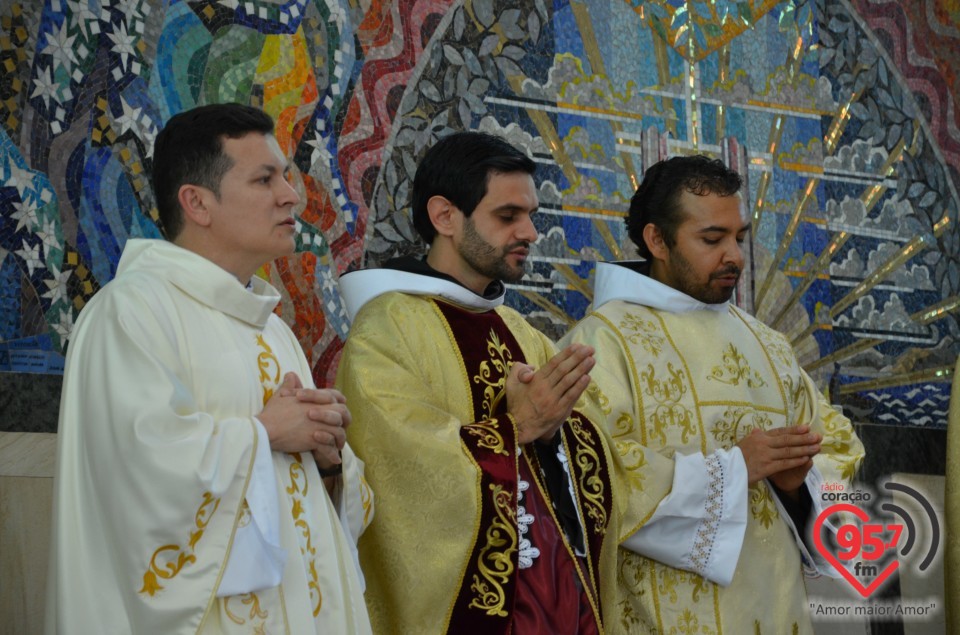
x: 527, y: 231
x: 286, y: 193
x: 733, y: 254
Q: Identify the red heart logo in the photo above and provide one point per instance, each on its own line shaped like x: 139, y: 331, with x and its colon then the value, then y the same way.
x: 825, y: 551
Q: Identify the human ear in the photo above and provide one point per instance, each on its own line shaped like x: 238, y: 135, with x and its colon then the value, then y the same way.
x: 655, y: 243
x: 441, y: 213
x: 193, y: 203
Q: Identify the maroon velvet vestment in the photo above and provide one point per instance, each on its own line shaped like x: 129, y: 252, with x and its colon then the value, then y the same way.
x: 558, y: 592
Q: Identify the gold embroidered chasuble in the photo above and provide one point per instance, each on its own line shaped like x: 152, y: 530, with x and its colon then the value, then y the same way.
x: 167, y: 366
x: 698, y: 381
x: 443, y: 553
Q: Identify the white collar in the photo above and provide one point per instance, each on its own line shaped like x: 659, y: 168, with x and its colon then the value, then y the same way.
x: 360, y: 287
x: 615, y: 282
x: 201, y: 279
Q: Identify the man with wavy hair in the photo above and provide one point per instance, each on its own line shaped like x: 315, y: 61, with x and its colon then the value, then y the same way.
x: 732, y: 438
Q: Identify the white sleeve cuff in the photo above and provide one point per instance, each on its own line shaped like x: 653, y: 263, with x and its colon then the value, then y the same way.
x: 700, y: 525
x: 256, y: 558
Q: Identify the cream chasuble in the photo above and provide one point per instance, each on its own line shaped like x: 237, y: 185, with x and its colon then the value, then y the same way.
x: 687, y: 381
x: 951, y: 572
x: 166, y: 369
x: 452, y: 537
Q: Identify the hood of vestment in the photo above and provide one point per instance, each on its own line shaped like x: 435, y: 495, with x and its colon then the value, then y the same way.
x: 627, y: 280
x: 414, y: 277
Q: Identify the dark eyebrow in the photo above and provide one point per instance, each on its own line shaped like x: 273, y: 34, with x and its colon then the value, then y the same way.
x: 716, y: 229
x: 513, y: 209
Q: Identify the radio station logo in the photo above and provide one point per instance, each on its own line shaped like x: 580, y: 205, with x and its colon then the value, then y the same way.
x: 867, y: 544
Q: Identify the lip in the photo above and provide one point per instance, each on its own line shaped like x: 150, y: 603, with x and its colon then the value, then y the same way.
x: 728, y: 281
x: 292, y: 222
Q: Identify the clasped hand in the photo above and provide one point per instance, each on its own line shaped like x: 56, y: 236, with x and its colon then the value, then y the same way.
x: 299, y: 419
x: 782, y: 455
x: 541, y: 400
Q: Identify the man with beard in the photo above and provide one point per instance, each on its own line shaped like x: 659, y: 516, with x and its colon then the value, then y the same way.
x: 709, y: 391
x: 494, y: 493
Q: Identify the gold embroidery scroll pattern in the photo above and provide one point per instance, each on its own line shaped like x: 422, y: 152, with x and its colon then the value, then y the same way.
x: 298, y: 490
x: 669, y: 412
x: 794, y: 391
x: 488, y: 434
x: 493, y: 373
x: 631, y: 575
x: 687, y: 620
x: 182, y: 556
x: 250, y: 599
x: 668, y: 581
x: 591, y: 483
x: 762, y: 506
x: 642, y: 332
x: 634, y: 461
x: 736, y: 368
x: 599, y: 397
x: 269, y: 369
x: 624, y: 424
x: 736, y: 423
x: 495, y: 561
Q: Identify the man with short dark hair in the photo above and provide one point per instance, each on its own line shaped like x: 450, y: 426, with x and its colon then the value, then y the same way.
x: 495, y: 506
x: 203, y: 484
x: 737, y: 439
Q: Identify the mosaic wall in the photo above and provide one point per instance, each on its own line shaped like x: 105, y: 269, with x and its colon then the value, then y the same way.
x: 840, y: 114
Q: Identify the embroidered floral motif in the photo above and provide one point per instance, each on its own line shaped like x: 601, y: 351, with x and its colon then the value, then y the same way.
x: 593, y: 390
x: 735, y: 369
x: 250, y: 599
x: 182, y: 556
x: 762, y: 506
x: 668, y: 393
x: 707, y: 531
x: 642, y: 332
x: 736, y: 423
x: 634, y: 460
x: 528, y: 553
x: 591, y: 484
x: 493, y: 373
x: 269, y: 368
x: 297, y: 489
x: 495, y: 561
x: 488, y: 435
x: 298, y: 492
